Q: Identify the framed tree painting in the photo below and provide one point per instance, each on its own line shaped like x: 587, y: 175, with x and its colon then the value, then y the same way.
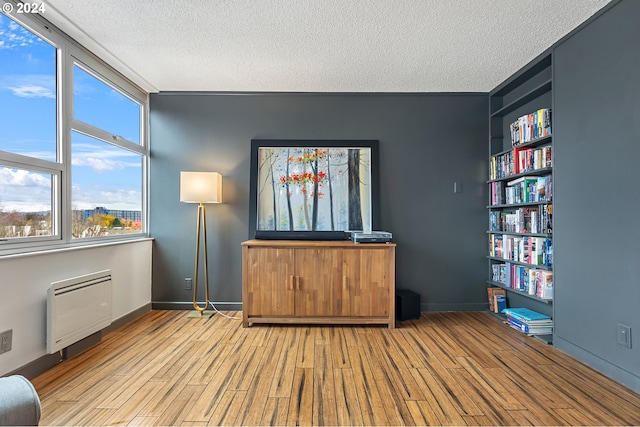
x: 313, y: 189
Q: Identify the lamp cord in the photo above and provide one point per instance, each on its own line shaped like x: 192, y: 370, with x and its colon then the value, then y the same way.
x: 222, y: 314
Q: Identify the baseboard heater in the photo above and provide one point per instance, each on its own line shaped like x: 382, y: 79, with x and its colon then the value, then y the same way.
x: 76, y: 308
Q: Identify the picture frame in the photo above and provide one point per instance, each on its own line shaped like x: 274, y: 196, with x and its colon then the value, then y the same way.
x: 313, y: 189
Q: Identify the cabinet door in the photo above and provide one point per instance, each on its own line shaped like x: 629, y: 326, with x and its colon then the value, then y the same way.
x: 367, y: 279
x: 270, y: 282
x: 318, y: 281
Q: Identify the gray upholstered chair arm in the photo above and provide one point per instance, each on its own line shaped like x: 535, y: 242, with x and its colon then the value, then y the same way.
x: 19, y: 402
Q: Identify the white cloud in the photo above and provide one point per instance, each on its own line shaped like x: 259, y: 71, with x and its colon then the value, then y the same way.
x: 122, y: 199
x: 31, y: 91
x: 102, y: 160
x: 14, y: 36
x: 98, y: 164
x: 23, y: 178
x: 25, y: 191
x: 30, y: 86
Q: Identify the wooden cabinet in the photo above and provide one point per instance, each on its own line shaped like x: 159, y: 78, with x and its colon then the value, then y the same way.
x: 318, y: 282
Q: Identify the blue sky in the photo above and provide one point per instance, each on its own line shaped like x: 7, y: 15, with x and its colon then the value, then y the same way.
x: 102, y: 175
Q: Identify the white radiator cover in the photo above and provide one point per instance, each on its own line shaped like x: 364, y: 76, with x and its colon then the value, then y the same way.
x: 78, y: 307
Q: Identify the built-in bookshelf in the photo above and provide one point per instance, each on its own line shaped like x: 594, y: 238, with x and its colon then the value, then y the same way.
x: 520, y: 206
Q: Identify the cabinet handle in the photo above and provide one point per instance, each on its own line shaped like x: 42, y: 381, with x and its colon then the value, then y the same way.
x: 345, y: 283
x: 297, y: 283
x: 291, y: 282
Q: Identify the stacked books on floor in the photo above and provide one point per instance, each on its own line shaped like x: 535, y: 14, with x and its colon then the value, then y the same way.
x: 528, y: 321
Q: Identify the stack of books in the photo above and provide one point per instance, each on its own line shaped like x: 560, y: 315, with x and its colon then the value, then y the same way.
x: 528, y: 321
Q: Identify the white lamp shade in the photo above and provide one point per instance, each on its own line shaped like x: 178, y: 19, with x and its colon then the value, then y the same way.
x: 200, y: 187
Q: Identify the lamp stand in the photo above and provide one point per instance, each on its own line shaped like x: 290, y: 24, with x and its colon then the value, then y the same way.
x: 201, y: 312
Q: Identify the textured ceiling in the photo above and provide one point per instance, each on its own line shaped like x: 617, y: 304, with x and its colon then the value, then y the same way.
x: 319, y: 45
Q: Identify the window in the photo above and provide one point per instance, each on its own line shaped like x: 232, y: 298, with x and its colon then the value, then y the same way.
x: 27, y: 203
x: 29, y: 168
x: 64, y: 176
x: 106, y: 189
x: 106, y: 158
x: 102, y: 106
x: 27, y: 92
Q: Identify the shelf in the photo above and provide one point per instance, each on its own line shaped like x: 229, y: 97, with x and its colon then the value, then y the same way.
x: 536, y: 172
x: 515, y: 291
x: 530, y: 144
x: 526, y: 92
x: 513, y: 233
x: 538, y: 266
x: 519, y: 205
x: 529, y: 96
x: 522, y: 76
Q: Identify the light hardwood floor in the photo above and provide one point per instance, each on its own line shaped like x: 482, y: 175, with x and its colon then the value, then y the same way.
x: 443, y: 369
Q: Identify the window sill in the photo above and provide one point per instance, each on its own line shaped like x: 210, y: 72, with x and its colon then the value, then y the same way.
x: 59, y: 248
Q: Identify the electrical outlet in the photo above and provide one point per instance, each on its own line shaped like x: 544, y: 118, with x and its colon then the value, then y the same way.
x: 5, y: 341
x: 624, y: 335
x: 188, y: 283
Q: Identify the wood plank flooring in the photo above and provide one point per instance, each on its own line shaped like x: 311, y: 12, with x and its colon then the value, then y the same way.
x: 442, y: 369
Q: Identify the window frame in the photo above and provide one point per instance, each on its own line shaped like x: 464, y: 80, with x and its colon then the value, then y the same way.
x: 70, y: 54
x: 56, y: 175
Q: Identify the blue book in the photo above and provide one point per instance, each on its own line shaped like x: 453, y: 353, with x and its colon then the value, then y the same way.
x: 499, y: 302
x: 525, y: 314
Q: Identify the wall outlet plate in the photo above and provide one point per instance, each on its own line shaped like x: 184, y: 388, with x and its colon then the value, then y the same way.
x: 6, y: 338
x: 624, y: 335
x: 188, y: 283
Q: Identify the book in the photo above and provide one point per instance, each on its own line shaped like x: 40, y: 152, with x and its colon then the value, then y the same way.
x: 499, y: 302
x: 531, y: 126
x: 526, y: 314
x: 533, y: 323
x: 529, y: 329
x: 533, y: 282
x: 548, y: 252
x: 545, y: 285
x: 496, y: 245
x: 534, y: 221
x: 539, y: 116
x: 497, y: 193
x: 547, y: 121
x: 519, y: 164
x: 492, y: 292
x: 547, y: 225
x: 522, y: 179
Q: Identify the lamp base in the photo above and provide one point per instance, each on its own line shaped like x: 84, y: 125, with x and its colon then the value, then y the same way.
x: 196, y: 314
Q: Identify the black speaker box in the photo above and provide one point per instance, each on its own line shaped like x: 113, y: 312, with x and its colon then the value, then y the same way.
x: 407, y: 305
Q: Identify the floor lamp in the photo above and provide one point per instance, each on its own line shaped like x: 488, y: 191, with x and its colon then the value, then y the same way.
x: 201, y: 188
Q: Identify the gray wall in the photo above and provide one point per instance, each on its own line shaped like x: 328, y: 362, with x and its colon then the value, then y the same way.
x: 427, y: 142
x: 596, y: 223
